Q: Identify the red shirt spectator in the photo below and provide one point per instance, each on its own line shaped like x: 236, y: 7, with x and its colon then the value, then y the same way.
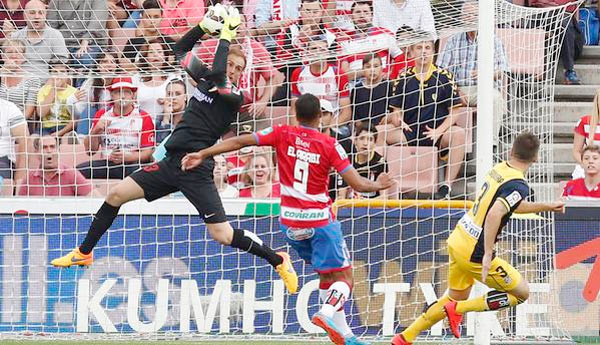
x: 180, y: 15
x: 583, y: 128
x: 275, y: 192
x: 588, y: 186
x: 52, y: 179
x: 11, y: 16
x: 61, y: 182
x: 128, y: 132
x: 258, y: 175
x: 322, y: 80
x: 582, y: 137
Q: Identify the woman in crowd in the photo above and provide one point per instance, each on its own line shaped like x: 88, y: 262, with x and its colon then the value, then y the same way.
x: 258, y: 175
x: 95, y: 91
x: 220, y: 175
x: 154, y: 73
x: 16, y: 85
x: 174, y: 105
x: 583, y: 137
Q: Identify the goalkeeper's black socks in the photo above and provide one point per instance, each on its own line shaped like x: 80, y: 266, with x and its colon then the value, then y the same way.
x: 102, y: 221
x: 249, y: 242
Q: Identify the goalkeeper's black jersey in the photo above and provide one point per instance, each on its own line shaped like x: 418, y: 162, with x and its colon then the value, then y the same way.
x: 214, y: 104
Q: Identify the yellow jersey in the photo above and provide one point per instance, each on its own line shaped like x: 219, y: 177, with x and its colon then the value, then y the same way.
x: 503, y: 183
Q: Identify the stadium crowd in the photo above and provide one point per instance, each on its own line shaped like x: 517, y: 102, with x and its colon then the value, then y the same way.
x: 90, y: 88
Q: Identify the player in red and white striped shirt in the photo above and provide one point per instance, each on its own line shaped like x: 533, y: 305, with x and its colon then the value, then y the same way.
x: 305, y: 157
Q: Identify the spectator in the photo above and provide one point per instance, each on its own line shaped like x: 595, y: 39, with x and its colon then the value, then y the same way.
x: 322, y: 80
x: 274, y: 16
x: 123, y: 13
x: 56, y: 101
x: 370, y: 97
x: 393, y: 14
x: 148, y: 30
x: 179, y: 16
x: 220, y: 175
x: 293, y: 41
x: 363, y: 39
x: 13, y: 130
x: 95, y: 87
x: 339, y: 13
x: 587, y: 187
x: 123, y: 133
x: 368, y: 163
x: 237, y: 161
x: 16, y: 85
x: 572, y: 43
x: 422, y: 101
x: 459, y: 56
x: 258, y: 175
x: 343, y: 137
x: 52, y: 178
x: 583, y: 137
x: 12, y: 17
x: 42, y: 42
x: 152, y: 80
x: 83, y: 24
x: 174, y: 105
x: 259, y: 79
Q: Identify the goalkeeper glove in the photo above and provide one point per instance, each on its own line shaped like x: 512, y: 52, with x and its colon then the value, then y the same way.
x: 213, y: 21
x: 232, y: 22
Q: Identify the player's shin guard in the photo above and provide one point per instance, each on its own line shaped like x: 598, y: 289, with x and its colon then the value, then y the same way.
x: 434, y: 313
x: 337, y: 295
x: 492, y: 300
x: 102, y: 221
x: 339, y: 317
x: 249, y: 242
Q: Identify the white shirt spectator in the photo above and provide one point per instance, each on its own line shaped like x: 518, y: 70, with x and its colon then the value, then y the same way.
x: 414, y: 13
x: 10, y: 117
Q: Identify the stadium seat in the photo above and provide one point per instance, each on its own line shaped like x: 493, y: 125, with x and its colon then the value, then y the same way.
x: 7, y: 187
x: 278, y: 115
x: 464, y: 119
x: 72, y: 155
x: 415, y: 169
x: 102, y: 186
x: 524, y: 49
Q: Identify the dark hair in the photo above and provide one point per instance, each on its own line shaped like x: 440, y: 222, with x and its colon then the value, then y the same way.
x: 308, y: 108
x: 370, y: 56
x: 143, y: 64
x: 361, y: 2
x: 37, y: 140
x: 525, y: 147
x: 150, y: 5
x: 591, y: 148
x: 366, y: 128
x: 55, y: 62
x: 98, y: 83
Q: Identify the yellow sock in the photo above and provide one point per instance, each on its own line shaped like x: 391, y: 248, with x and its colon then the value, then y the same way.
x: 493, y: 300
x: 430, y: 317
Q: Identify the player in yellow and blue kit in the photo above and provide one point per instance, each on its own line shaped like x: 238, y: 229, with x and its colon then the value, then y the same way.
x: 471, y: 245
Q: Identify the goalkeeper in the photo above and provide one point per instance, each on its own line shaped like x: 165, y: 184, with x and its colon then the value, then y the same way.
x: 471, y: 245
x: 213, y: 107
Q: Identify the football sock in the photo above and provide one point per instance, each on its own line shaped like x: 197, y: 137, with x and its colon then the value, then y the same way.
x: 492, y: 300
x: 102, y: 221
x: 434, y: 313
x: 339, y: 317
x: 336, y: 296
x: 249, y: 242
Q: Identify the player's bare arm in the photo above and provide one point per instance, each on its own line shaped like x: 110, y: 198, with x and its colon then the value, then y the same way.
x: 537, y: 207
x: 361, y: 184
x: 490, y: 230
x: 192, y: 160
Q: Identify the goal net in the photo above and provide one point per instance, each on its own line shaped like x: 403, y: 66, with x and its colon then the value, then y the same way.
x: 158, y: 275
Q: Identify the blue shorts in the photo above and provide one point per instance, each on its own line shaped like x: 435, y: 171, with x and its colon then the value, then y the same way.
x: 324, y: 247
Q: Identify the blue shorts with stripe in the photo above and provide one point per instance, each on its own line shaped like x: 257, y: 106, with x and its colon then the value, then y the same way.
x: 323, y: 247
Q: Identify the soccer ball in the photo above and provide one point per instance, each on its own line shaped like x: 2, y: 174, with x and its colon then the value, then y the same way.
x: 214, y: 19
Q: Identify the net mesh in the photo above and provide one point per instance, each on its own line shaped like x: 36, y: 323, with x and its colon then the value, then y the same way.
x: 58, y: 80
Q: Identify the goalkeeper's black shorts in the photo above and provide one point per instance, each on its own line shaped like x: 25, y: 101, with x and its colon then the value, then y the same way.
x: 197, y: 185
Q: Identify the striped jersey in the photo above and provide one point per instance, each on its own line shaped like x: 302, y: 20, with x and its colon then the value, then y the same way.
x: 129, y: 132
x: 305, y: 157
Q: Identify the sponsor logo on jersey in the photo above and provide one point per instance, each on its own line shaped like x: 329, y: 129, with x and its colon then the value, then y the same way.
x: 300, y: 142
x: 340, y: 150
x: 202, y: 97
x: 470, y: 227
x: 514, y: 198
x: 300, y: 234
x: 298, y: 214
